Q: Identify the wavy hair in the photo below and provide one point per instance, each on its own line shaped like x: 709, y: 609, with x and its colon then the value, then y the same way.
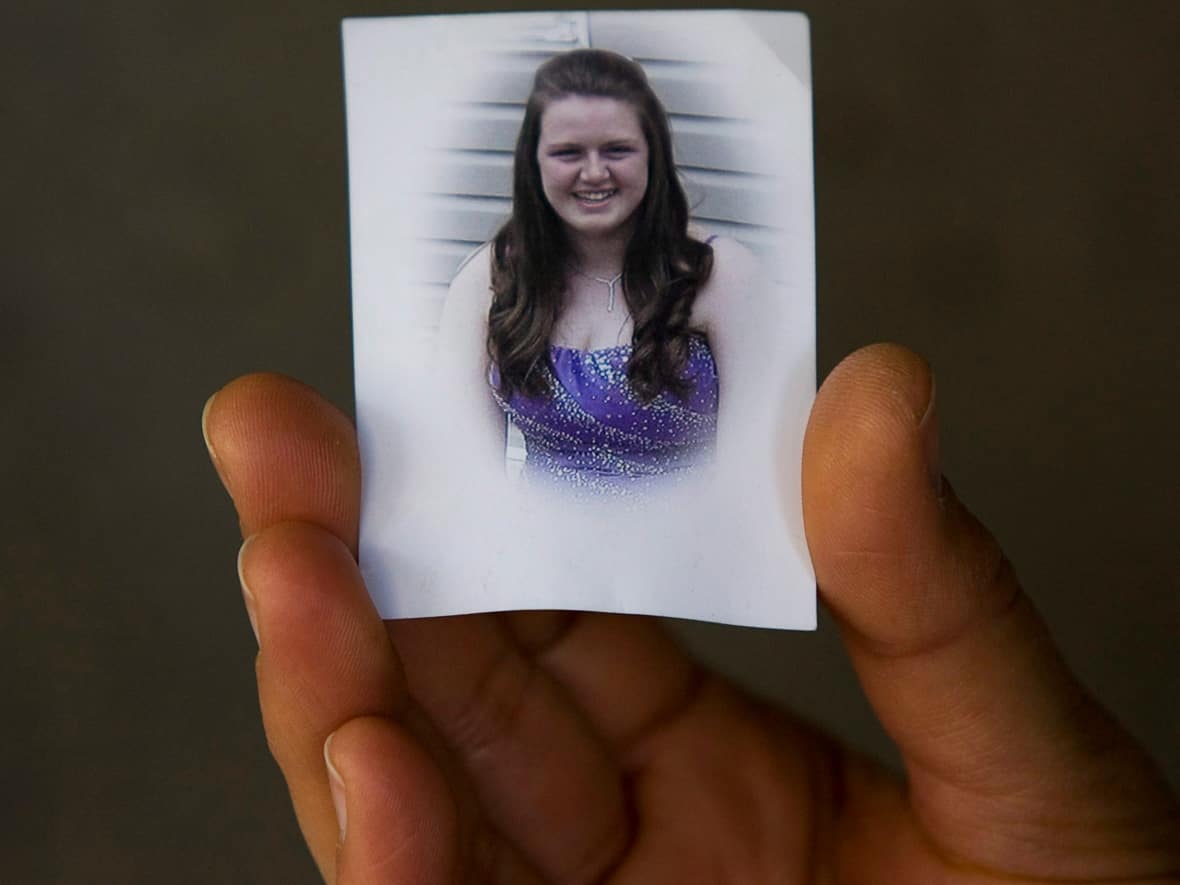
x: 663, y: 267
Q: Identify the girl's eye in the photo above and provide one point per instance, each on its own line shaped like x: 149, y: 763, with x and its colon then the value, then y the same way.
x: 618, y: 151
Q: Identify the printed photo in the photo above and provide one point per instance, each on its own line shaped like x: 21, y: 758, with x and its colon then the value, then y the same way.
x: 583, y: 295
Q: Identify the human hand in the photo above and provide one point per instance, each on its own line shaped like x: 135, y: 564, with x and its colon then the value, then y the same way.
x: 534, y: 747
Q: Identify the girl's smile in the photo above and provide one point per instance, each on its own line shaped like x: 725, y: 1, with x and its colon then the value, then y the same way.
x: 593, y: 159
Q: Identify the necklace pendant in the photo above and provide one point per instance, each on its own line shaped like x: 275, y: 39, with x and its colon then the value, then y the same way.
x: 610, y: 285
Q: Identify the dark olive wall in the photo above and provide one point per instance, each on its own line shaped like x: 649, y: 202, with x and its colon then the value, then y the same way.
x: 997, y: 188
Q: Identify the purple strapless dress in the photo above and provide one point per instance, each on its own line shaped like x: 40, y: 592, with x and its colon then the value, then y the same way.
x: 593, y: 434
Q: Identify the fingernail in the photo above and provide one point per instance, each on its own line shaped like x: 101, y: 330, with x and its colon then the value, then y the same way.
x: 336, y: 786
x: 247, y: 596
x: 928, y: 431
x: 209, y: 445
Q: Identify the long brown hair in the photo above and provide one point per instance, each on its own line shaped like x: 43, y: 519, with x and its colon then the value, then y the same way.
x: 663, y: 267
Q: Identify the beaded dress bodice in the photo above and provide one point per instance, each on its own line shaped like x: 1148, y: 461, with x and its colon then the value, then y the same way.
x: 593, y: 433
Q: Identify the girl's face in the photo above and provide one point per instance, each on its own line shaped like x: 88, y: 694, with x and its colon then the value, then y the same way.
x: 593, y: 160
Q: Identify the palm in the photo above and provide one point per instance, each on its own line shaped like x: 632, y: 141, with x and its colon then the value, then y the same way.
x: 593, y: 746
x: 548, y: 747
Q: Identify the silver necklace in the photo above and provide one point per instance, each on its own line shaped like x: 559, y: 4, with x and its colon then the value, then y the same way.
x: 610, y: 284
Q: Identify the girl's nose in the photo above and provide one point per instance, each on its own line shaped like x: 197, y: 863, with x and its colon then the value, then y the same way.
x: 595, y: 169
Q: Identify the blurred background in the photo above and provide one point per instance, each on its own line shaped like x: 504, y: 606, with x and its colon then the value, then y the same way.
x: 996, y: 188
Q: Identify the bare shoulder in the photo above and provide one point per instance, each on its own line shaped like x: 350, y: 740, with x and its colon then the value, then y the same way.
x: 732, y: 260
x: 474, y: 275
x: 470, y: 294
x: 735, y: 275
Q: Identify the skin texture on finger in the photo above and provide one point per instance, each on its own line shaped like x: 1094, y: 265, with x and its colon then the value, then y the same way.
x: 401, y: 823
x: 723, y: 788
x: 324, y: 658
x: 285, y: 454
x: 535, y: 762
x: 534, y: 631
x: 592, y: 654
x: 1012, y: 767
x: 724, y: 793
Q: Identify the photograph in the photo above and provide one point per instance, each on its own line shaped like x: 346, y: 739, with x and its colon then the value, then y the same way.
x: 583, y: 305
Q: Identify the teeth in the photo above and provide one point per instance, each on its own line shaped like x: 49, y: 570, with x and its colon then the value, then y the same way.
x: 595, y: 197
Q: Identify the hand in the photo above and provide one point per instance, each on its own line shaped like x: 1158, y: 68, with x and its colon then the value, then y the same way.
x: 562, y: 747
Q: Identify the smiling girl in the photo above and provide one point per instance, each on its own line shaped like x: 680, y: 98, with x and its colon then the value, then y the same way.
x: 594, y: 320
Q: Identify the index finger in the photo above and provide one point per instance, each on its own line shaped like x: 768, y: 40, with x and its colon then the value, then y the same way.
x: 289, y: 461
x: 305, y: 437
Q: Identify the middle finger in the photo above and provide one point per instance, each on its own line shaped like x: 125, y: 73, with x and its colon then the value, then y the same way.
x: 541, y: 771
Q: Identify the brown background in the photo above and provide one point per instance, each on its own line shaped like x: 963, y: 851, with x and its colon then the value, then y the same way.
x: 997, y: 188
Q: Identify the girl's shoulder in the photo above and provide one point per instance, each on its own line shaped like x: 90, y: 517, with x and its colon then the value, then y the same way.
x: 475, y: 268
x: 727, y: 248
x: 469, y: 296
x: 734, y: 274
x: 734, y: 264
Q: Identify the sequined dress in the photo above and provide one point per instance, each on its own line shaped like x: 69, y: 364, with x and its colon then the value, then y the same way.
x: 593, y: 434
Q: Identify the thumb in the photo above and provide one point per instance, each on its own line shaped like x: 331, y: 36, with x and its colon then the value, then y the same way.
x: 1011, y: 765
